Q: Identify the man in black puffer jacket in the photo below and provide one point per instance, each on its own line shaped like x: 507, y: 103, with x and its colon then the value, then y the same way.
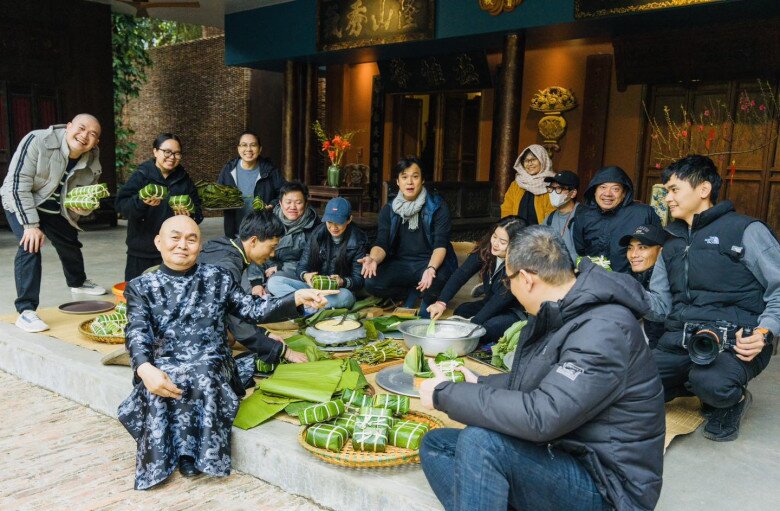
x: 608, y: 214
x: 578, y: 423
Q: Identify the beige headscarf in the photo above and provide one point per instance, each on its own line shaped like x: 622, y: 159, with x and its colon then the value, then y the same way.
x: 534, y: 184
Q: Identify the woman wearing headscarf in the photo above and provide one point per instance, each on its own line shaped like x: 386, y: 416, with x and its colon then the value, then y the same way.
x: 527, y: 196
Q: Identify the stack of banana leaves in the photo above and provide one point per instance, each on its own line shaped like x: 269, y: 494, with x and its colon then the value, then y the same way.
x: 216, y: 196
x: 86, y: 197
x: 416, y: 365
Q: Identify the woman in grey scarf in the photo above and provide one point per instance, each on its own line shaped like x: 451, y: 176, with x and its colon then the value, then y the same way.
x: 412, y: 255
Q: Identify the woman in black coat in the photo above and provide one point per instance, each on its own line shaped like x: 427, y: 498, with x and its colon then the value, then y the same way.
x: 499, y: 309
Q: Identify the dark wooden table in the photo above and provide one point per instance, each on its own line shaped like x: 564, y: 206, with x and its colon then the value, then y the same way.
x: 322, y: 194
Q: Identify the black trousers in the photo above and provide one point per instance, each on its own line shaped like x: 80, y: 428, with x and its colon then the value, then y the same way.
x: 398, y: 278
x: 27, y: 267
x: 495, y: 326
x: 720, y: 384
x: 135, y: 266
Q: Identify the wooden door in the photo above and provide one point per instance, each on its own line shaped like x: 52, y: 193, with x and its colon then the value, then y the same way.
x: 460, y: 138
x: 407, y: 127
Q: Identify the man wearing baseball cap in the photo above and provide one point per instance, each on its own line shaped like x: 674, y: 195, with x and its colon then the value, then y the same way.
x: 563, y: 196
x: 643, y: 248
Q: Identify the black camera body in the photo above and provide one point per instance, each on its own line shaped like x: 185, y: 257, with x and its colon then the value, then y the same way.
x: 704, y: 341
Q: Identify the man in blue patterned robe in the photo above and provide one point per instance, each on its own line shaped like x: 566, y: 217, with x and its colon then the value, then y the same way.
x: 187, y: 384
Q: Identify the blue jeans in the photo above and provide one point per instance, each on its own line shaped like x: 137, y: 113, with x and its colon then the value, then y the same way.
x: 281, y: 286
x: 476, y: 468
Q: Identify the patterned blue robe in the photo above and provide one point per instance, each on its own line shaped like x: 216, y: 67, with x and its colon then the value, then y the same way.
x: 177, y: 322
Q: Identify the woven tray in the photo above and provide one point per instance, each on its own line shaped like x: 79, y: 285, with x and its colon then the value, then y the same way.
x: 86, y: 331
x: 394, y: 456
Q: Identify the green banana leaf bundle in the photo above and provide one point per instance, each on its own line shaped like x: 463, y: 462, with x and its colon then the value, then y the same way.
x: 99, y: 191
x: 365, y: 303
x: 383, y: 351
x: 310, y: 381
x: 324, y: 282
x: 374, y: 411
x: 307, y: 345
x: 374, y: 417
x: 213, y: 195
x: 81, y: 202
x: 507, y: 343
x: 264, y: 367
x: 295, y: 408
x: 258, y: 204
x: 355, y: 399
x: 415, y: 364
x: 327, y: 436
x: 322, y: 315
x: 598, y: 260
x: 120, y: 308
x: 346, y: 421
x: 153, y: 191
x: 259, y: 408
x: 370, y: 439
x: 407, y: 434
x: 398, y: 405
x: 182, y: 201
x: 321, y: 412
x: 109, y: 324
x: 389, y: 323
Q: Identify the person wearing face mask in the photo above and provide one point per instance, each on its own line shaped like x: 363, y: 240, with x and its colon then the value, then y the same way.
x: 527, y: 196
x: 563, y: 196
x: 146, y: 216
x: 254, y: 176
x: 643, y: 248
x: 499, y: 309
x: 608, y: 213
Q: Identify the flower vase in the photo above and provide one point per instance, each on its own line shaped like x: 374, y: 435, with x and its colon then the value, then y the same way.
x: 334, y: 176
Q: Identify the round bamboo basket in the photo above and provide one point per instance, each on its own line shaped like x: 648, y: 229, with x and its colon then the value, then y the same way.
x: 86, y: 331
x: 392, y: 457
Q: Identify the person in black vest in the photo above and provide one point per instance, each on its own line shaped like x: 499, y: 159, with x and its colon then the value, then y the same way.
x: 412, y: 252
x: 643, y: 248
x: 716, y: 266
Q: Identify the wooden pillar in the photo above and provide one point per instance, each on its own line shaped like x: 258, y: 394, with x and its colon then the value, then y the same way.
x: 506, y: 121
x: 310, y: 143
x: 595, y: 107
x: 290, y: 122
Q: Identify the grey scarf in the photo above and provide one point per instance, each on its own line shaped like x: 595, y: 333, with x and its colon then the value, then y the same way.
x: 408, y: 210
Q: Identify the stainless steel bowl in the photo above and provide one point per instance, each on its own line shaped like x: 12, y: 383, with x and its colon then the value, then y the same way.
x: 449, y: 334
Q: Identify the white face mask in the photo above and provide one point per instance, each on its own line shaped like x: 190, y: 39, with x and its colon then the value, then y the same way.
x: 559, y: 199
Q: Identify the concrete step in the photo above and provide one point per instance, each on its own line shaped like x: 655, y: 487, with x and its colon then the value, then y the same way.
x: 269, y: 452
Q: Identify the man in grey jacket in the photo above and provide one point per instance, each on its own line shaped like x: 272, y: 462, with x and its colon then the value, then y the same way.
x: 48, y: 164
x: 578, y: 423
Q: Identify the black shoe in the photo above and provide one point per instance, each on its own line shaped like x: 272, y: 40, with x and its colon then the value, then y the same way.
x: 707, y: 410
x: 187, y: 467
x: 723, y: 425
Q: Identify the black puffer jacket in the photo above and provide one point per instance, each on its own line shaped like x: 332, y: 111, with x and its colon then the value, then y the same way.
x: 144, y: 222
x: 598, y: 233
x: 585, y: 382
x: 327, y: 254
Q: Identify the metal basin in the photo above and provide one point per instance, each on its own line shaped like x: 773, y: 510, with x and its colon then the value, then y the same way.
x: 449, y: 334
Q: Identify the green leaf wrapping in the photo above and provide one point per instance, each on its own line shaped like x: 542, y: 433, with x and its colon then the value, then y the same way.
x: 121, y: 308
x: 310, y: 381
x: 213, y: 195
x: 109, y: 324
x: 327, y: 436
x: 355, y: 398
x: 153, y: 191
x: 346, y: 421
x: 390, y: 323
x: 370, y: 439
x: 507, y: 343
x: 258, y: 204
x: 597, y: 260
x: 99, y: 191
x: 398, y: 405
x: 321, y: 412
x: 81, y: 202
x: 295, y: 408
x: 182, y: 201
x: 259, y: 408
x: 407, y: 434
x: 415, y: 363
x: 323, y: 282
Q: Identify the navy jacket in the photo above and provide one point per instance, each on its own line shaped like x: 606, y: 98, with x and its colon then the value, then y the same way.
x: 322, y: 241
x: 267, y: 186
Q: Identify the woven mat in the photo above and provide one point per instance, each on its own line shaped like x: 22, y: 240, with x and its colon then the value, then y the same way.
x: 683, y: 416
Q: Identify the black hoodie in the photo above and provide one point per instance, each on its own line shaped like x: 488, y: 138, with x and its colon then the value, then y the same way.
x: 269, y: 181
x: 144, y: 222
x: 597, y: 232
x: 583, y: 381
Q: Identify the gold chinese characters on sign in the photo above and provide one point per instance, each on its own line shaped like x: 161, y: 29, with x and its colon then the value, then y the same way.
x: 553, y: 101
x: 356, y: 23
x: 496, y: 7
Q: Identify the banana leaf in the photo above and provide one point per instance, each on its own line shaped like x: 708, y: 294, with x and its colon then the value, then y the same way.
x: 258, y: 408
x: 389, y: 323
x: 507, y: 343
x: 295, y: 408
x: 311, y: 381
x: 306, y: 345
x: 320, y: 316
x: 415, y: 363
x: 352, y: 377
x: 365, y: 303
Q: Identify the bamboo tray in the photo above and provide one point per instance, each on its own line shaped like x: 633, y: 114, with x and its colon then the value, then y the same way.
x: 393, y: 457
x: 86, y: 331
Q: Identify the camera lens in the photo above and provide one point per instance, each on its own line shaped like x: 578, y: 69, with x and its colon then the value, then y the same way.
x: 704, y: 347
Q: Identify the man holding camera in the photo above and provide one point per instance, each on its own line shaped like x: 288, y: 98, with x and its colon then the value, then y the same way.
x: 717, y: 284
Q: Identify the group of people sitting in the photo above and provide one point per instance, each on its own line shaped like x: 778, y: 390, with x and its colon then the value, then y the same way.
x: 601, y: 352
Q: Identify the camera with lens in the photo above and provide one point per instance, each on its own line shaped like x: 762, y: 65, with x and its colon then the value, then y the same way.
x: 704, y: 341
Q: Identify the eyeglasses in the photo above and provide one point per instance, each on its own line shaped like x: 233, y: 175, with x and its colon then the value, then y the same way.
x: 247, y: 146
x: 170, y: 154
x: 530, y: 160
x: 507, y: 279
x: 557, y: 188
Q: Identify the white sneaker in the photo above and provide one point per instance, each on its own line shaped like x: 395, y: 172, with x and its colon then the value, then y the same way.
x: 30, y: 322
x: 89, y: 288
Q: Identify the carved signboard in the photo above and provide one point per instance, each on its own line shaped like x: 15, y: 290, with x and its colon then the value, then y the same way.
x: 596, y: 8
x: 356, y: 23
x: 461, y: 71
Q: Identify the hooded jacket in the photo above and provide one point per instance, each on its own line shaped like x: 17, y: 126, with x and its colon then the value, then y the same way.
x: 583, y: 381
x: 269, y: 181
x: 597, y: 232
x: 321, y: 241
x: 144, y: 222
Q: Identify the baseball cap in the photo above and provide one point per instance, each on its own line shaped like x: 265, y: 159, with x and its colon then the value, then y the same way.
x: 647, y: 234
x: 565, y: 178
x: 338, y: 210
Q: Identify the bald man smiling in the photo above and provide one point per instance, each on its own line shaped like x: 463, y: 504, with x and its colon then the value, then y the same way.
x: 187, y: 384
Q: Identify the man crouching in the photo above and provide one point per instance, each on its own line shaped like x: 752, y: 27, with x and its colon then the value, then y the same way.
x: 578, y: 423
x: 187, y: 386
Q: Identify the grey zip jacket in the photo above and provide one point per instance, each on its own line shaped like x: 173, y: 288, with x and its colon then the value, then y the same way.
x: 583, y: 381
